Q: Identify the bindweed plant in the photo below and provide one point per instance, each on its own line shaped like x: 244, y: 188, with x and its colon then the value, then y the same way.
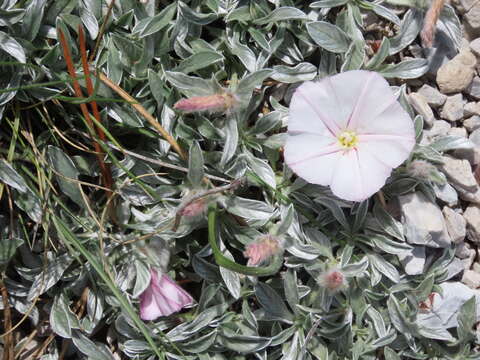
x: 206, y: 245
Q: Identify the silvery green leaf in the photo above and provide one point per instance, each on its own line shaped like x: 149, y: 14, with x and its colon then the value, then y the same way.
x: 243, y: 53
x: 142, y: 279
x: 231, y: 278
x: 378, y: 322
x: 25, y: 307
x: 328, y: 3
x: 337, y: 212
x: 418, y: 123
x: 466, y: 320
x: 283, y: 336
x: 8, y: 248
x: 88, y: 18
x: 195, y: 165
x: 202, y: 320
x: 11, y: 177
x: 190, y: 85
x: 328, y: 36
x: 134, y: 348
x: 263, y: 170
x: 385, y: 340
x: 356, y: 269
x: 151, y: 25
x: 198, y: 61
x: 272, y: 302
x: 407, y: 69
x: 291, y: 289
x: 247, y: 84
x: 275, y: 141
x: 93, y: 350
x: 450, y: 23
x: 355, y: 56
x: 287, y: 217
x: 266, y: 123
x: 388, y: 245
x: 281, y: 14
x: 33, y: 18
x: 31, y: 204
x: 304, y: 251
x: 380, y: 55
x: 195, y: 17
x: 50, y: 276
x: 435, y: 333
x: 388, y: 224
x: 390, y: 354
x: 11, y: 47
x: 249, y: 209
x: 361, y: 210
x: 65, y: 170
x: 248, y: 315
x: 346, y: 255
x: 95, y: 305
x: 397, y: 317
x: 200, y: 344
x: 206, y: 270
x: 386, y: 13
x: 293, y: 349
x: 409, y: 29
x: 62, y: 319
x: 384, y: 267
x: 231, y: 141
x: 259, y: 38
x: 243, y: 344
x: 301, y: 72
x: 451, y: 142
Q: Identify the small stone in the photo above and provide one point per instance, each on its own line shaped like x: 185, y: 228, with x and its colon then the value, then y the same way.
x: 455, y: 267
x: 439, y: 128
x: 475, y: 137
x: 476, y: 267
x: 456, y: 225
x: 469, y: 195
x: 468, y: 262
x: 472, y: 19
x: 474, y: 88
x: 459, y: 172
x: 475, y: 47
x: 471, y: 279
x: 423, y: 221
x: 453, y: 108
x: 472, y: 123
x: 434, y: 97
x: 455, y: 75
x: 463, y: 6
x: 458, y: 131
x: 462, y: 251
x: 413, y: 260
x: 472, y: 216
x: 446, y: 193
x: 421, y: 106
x: 471, y: 108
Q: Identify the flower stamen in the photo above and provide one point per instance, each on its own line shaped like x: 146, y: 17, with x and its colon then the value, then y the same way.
x: 348, y: 139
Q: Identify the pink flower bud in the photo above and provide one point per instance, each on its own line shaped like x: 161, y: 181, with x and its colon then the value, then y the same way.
x: 259, y: 251
x: 421, y: 169
x: 195, y: 208
x: 162, y: 297
x: 333, y: 280
x: 213, y: 103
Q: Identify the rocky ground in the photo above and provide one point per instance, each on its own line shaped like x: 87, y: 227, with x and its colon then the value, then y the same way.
x: 449, y: 103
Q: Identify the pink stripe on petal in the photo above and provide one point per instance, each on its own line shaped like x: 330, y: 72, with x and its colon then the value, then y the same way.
x: 359, y: 104
x: 331, y: 126
x: 383, y: 137
x: 330, y: 149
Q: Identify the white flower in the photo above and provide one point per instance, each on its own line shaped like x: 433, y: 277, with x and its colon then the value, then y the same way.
x: 348, y: 131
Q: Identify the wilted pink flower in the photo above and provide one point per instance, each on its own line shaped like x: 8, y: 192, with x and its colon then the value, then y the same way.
x: 429, y: 22
x: 259, y: 251
x: 162, y: 297
x: 213, y: 103
x: 348, y: 131
x: 333, y: 280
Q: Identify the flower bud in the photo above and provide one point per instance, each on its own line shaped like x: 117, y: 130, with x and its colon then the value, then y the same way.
x: 421, y: 169
x: 333, y: 280
x: 262, y: 249
x: 195, y: 208
x: 213, y: 103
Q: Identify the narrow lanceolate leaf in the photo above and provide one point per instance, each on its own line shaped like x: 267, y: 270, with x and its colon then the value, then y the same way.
x: 11, y: 47
x: 11, y: 177
x: 195, y: 165
x: 328, y: 36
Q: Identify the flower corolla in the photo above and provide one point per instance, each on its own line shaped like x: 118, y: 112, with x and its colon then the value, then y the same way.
x: 348, y: 131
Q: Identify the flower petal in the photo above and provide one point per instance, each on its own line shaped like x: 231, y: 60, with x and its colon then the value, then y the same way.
x: 358, y: 175
x: 174, y: 293
x: 393, y: 120
x: 391, y: 150
x: 149, y: 309
x: 312, y: 157
x: 313, y: 110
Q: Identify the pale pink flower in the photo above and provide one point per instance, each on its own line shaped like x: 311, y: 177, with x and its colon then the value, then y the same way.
x: 348, y: 131
x: 195, y: 208
x: 333, y: 280
x: 162, y: 297
x: 224, y: 101
x: 262, y: 249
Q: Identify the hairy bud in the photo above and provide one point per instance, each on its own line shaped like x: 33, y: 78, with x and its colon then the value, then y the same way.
x: 262, y: 249
x: 213, y: 103
x: 333, y: 280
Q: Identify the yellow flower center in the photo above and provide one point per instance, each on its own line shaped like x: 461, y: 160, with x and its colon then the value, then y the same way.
x: 348, y: 139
